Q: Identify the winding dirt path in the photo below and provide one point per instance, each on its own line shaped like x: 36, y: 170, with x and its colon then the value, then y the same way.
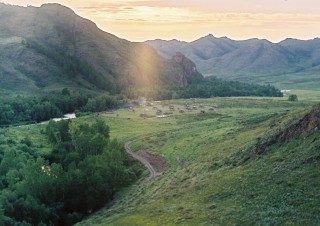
x: 145, y: 162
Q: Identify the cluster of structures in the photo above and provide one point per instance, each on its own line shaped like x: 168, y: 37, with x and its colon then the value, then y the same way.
x: 162, y: 109
x: 202, y: 109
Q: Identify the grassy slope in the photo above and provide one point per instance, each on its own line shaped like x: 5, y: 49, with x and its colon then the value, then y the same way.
x: 306, y: 94
x: 205, y: 184
x: 202, y: 186
x: 301, y: 81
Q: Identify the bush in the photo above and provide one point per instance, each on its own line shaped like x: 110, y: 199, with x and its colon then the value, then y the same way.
x: 293, y: 97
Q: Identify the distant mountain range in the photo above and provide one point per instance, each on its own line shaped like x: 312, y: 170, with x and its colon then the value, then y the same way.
x: 50, y: 47
x: 290, y: 63
x: 47, y: 48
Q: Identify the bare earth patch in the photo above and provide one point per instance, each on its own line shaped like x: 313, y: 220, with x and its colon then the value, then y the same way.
x: 158, y: 161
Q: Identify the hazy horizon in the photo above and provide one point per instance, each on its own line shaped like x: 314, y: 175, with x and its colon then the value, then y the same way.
x: 141, y: 20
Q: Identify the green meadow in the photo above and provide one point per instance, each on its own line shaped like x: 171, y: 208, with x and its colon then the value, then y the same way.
x: 209, y: 180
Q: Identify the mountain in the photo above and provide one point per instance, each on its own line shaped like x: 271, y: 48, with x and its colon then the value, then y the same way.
x: 49, y: 47
x: 308, y: 52
x: 253, y: 60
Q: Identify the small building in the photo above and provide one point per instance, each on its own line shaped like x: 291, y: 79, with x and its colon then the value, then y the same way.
x: 163, y: 116
x: 159, y: 112
x: 142, y: 101
x: 143, y: 115
x: 131, y: 109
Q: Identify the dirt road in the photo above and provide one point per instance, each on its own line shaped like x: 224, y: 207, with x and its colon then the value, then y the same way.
x: 145, y: 162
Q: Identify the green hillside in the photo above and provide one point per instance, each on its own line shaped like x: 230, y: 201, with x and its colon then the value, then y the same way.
x: 215, y: 176
x: 45, y: 50
x: 219, y: 152
x: 48, y: 48
x: 250, y: 161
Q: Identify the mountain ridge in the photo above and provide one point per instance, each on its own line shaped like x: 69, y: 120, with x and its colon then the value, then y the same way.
x: 256, y: 60
x: 47, y: 47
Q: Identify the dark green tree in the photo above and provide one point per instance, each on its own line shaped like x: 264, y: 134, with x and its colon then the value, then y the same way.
x: 65, y: 92
x: 293, y: 98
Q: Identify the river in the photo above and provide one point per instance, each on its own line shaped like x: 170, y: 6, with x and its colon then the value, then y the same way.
x: 65, y: 117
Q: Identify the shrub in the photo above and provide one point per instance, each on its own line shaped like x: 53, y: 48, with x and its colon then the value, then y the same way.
x: 293, y: 97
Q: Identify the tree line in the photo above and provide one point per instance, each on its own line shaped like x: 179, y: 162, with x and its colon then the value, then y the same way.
x: 36, y: 109
x: 206, y: 88
x: 81, y: 174
x: 213, y: 87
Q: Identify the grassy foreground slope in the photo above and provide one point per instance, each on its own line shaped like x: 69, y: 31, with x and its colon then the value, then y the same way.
x: 214, y: 175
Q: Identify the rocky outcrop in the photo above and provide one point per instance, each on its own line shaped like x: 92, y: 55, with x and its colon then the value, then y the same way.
x: 309, y: 123
x: 189, y: 72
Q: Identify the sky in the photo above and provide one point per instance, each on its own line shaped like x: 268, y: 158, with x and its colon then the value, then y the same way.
x: 188, y: 20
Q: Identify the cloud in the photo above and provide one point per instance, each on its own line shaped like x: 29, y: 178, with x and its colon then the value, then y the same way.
x: 148, y: 19
x: 140, y: 12
x: 126, y: 11
x: 139, y: 23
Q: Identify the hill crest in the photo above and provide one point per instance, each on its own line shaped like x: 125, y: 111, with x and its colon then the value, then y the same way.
x: 254, y: 60
x: 48, y: 47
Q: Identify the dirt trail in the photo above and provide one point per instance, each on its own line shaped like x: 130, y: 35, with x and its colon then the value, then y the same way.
x: 145, y: 162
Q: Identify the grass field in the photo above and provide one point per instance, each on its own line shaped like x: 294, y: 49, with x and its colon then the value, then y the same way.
x: 293, y: 81
x: 207, y: 181
x: 306, y: 94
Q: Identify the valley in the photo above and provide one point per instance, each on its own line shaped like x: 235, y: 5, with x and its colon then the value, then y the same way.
x: 212, y: 175
x: 208, y: 180
x: 99, y: 130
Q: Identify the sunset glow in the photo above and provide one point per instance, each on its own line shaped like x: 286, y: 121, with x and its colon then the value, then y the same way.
x: 140, y: 20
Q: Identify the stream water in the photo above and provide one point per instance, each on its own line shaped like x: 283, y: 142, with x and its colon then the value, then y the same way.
x: 65, y: 117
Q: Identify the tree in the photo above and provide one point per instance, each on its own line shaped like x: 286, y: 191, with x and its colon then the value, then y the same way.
x: 2, y: 216
x: 82, y: 173
x: 27, y: 141
x: 293, y: 98
x: 65, y: 92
